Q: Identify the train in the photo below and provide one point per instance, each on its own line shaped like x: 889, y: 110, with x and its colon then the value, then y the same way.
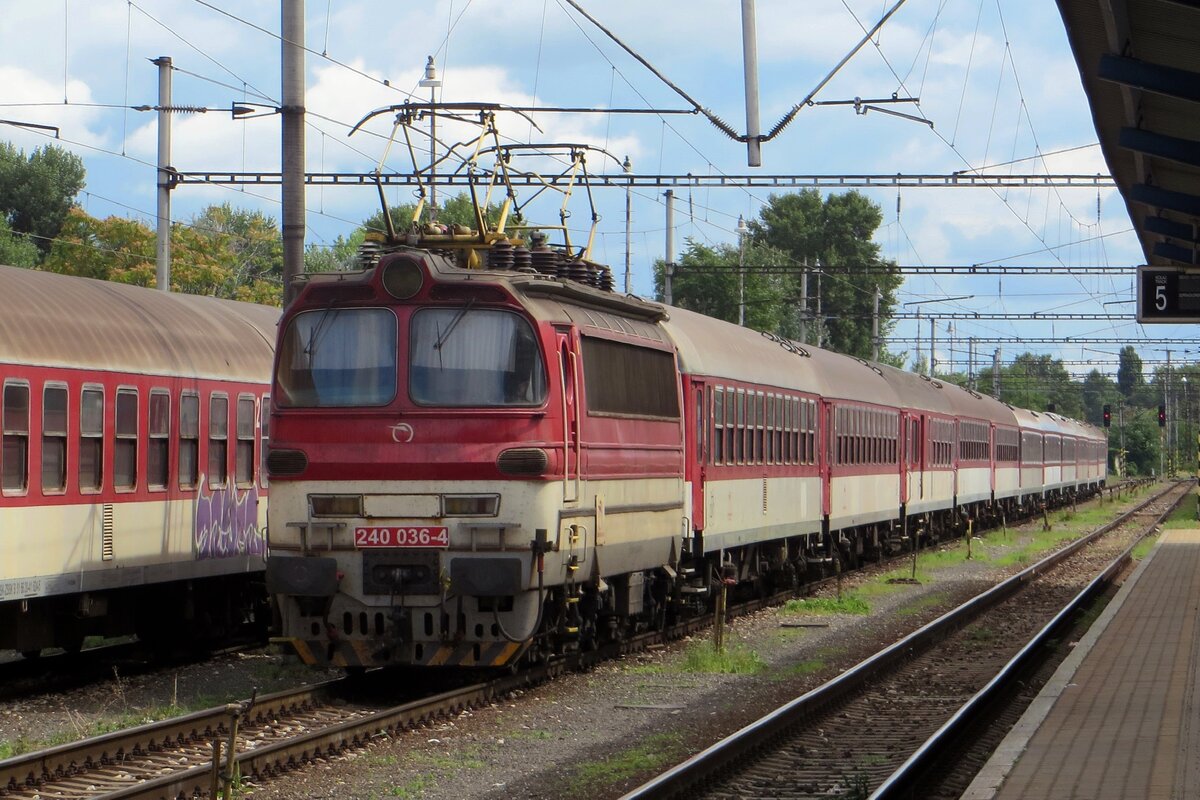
x: 132, y: 481
x: 484, y: 456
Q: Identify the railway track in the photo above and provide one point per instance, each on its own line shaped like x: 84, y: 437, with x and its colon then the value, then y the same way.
x: 174, y: 758
x: 877, y: 729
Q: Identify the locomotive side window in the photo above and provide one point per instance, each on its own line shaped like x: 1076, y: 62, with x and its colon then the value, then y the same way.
x: 218, y: 441
x: 189, y: 440
x: 158, y: 425
x: 91, y: 440
x: 628, y: 380
x: 14, y: 461
x: 54, y: 439
x: 480, y: 357
x: 244, y: 455
x: 126, y: 440
x: 347, y: 357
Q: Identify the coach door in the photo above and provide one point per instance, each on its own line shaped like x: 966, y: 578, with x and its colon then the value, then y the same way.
x: 569, y: 366
x: 696, y: 468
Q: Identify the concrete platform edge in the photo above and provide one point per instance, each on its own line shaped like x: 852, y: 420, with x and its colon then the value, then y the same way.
x: 989, y: 780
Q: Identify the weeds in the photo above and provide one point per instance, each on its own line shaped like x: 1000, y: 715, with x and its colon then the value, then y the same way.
x: 653, y: 754
x: 848, y: 604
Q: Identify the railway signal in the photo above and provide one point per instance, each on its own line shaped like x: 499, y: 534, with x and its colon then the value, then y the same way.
x: 1162, y: 416
x: 1107, y: 415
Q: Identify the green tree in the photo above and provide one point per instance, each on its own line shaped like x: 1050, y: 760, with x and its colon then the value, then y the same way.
x: 1129, y: 371
x: 835, y: 235
x: 706, y: 281
x: 1035, y: 382
x: 250, y: 241
x: 1098, y: 391
x: 37, y: 191
x: 204, y: 261
x: 456, y: 210
x: 16, y: 250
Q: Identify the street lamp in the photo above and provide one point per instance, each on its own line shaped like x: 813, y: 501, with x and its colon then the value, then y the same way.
x: 431, y: 82
x: 742, y: 230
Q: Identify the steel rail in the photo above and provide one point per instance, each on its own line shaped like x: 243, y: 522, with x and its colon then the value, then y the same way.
x: 901, y: 782
x: 676, y: 781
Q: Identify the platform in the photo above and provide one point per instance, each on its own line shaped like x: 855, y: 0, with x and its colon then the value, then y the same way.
x: 1120, y: 719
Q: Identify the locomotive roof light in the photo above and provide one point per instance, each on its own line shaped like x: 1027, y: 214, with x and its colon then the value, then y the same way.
x: 403, y: 277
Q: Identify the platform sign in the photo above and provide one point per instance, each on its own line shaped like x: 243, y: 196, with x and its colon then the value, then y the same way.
x: 1168, y: 294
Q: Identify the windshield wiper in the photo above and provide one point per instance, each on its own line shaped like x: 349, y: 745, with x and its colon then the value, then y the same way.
x: 453, y: 324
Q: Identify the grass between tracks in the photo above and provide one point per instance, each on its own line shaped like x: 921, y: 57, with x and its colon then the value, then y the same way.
x: 654, y: 753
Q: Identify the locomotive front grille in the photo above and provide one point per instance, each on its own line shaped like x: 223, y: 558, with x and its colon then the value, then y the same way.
x: 285, y: 463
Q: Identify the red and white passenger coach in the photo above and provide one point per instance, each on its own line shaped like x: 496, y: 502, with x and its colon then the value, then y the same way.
x: 132, y: 497
x: 475, y: 466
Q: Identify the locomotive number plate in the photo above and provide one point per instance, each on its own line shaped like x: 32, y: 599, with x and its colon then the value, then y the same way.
x: 409, y: 536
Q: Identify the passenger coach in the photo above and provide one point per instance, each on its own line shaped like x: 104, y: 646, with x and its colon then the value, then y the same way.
x: 132, y: 493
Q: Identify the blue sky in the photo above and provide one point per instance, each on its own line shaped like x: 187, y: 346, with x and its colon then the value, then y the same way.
x: 995, y: 77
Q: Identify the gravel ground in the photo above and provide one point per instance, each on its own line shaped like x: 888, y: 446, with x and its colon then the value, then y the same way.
x: 595, y: 734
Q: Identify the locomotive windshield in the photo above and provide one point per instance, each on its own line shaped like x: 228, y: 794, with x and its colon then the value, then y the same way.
x: 338, y: 357
x: 474, y: 357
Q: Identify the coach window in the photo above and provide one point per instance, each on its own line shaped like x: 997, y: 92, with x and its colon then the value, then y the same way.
x: 718, y: 453
x: 158, y: 425
x: 14, y: 461
x: 54, y: 439
x: 91, y: 440
x: 218, y: 441
x: 739, y: 436
x: 126, y: 435
x: 189, y: 440
x: 702, y: 395
x: 264, y: 438
x: 759, y: 418
x: 244, y: 455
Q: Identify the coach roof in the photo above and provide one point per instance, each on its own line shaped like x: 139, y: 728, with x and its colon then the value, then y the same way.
x: 710, y: 347
x: 55, y: 320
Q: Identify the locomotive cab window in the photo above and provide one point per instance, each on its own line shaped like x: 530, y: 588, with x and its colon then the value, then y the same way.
x: 474, y: 357
x: 627, y: 380
x: 91, y: 440
x: 14, y: 459
x: 338, y: 357
x: 54, y: 439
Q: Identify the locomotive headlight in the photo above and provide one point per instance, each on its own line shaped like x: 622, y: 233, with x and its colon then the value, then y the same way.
x: 403, y: 277
x: 335, y: 505
x: 470, y: 505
